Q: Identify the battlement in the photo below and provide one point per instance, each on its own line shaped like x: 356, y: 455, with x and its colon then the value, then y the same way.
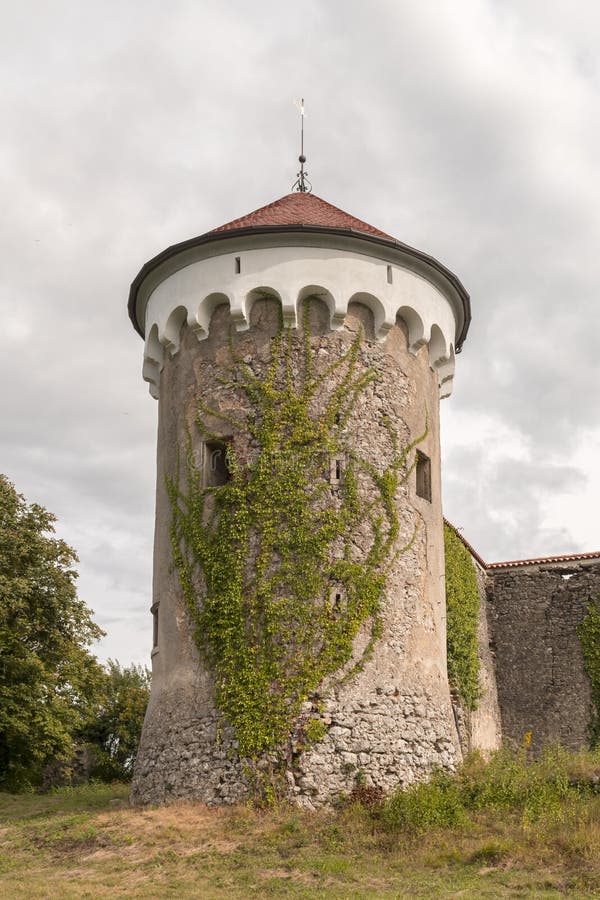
x: 297, y: 247
x: 291, y: 274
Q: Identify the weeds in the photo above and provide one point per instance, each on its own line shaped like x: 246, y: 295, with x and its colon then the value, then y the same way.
x: 434, y: 804
x: 511, y: 781
x: 512, y: 826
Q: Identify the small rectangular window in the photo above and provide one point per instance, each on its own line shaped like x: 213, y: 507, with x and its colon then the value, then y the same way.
x: 337, y: 599
x: 389, y: 275
x: 216, y: 465
x: 154, y: 611
x: 336, y: 470
x: 423, y: 476
x: 238, y: 265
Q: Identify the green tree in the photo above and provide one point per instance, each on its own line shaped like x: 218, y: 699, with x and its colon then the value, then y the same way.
x: 49, y: 681
x: 117, y: 723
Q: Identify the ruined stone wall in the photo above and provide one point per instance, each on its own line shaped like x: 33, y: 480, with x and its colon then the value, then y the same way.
x: 534, y: 611
x: 392, y: 722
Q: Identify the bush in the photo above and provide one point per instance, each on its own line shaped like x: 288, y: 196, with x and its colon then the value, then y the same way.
x: 434, y: 804
x: 510, y: 781
x: 367, y: 796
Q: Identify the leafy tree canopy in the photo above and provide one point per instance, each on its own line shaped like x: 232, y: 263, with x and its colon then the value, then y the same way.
x: 49, y: 681
x: 117, y: 724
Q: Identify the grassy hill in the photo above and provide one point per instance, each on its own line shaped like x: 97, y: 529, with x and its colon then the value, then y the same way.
x: 512, y: 828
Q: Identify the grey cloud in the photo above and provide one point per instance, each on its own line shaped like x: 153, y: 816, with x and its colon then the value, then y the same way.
x: 470, y: 132
x: 505, y: 520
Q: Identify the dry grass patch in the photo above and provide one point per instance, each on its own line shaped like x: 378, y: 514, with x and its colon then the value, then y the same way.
x: 89, y: 843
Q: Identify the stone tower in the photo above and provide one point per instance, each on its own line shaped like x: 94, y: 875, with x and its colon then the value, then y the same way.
x: 372, y: 325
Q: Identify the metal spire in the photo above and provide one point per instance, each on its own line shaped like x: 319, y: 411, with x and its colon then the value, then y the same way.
x: 302, y: 184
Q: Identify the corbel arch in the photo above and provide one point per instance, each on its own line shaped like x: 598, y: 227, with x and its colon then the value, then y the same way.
x: 381, y: 322
x: 266, y: 291
x: 337, y: 312
x: 170, y: 334
x: 416, y: 328
x: 200, y: 322
x: 153, y: 361
x: 439, y: 352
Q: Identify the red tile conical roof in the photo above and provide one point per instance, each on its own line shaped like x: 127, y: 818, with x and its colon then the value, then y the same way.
x: 301, y: 213
x: 301, y: 209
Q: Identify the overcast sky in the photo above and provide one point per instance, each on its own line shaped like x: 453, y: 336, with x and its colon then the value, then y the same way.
x: 468, y: 129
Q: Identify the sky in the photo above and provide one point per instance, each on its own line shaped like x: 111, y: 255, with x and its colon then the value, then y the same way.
x: 469, y: 130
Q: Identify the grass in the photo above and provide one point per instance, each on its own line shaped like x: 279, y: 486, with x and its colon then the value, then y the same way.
x: 510, y: 828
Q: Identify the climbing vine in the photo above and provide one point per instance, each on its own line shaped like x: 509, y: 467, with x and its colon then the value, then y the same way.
x: 462, y: 611
x: 588, y: 632
x: 275, y: 585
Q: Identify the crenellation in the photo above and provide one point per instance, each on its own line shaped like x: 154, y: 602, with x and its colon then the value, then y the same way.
x: 192, y: 293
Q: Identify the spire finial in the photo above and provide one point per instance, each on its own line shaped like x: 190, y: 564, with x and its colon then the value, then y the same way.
x: 302, y: 184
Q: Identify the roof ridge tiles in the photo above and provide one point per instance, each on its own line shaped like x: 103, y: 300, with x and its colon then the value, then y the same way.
x: 565, y: 557
x: 514, y: 563
x: 301, y: 209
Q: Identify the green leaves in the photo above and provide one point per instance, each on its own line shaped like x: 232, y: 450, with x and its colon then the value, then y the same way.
x: 48, y: 679
x: 588, y: 632
x: 462, y: 610
x: 275, y: 585
x: 116, y: 724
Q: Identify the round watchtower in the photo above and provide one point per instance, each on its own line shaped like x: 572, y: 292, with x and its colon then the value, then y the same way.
x: 298, y: 356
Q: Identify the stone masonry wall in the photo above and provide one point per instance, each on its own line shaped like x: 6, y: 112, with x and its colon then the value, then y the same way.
x: 392, y: 722
x: 534, y: 611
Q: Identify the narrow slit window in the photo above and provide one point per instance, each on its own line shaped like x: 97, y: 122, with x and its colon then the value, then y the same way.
x: 337, y: 599
x: 238, y: 265
x: 423, y: 476
x: 154, y: 611
x: 336, y: 470
x: 390, y: 276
